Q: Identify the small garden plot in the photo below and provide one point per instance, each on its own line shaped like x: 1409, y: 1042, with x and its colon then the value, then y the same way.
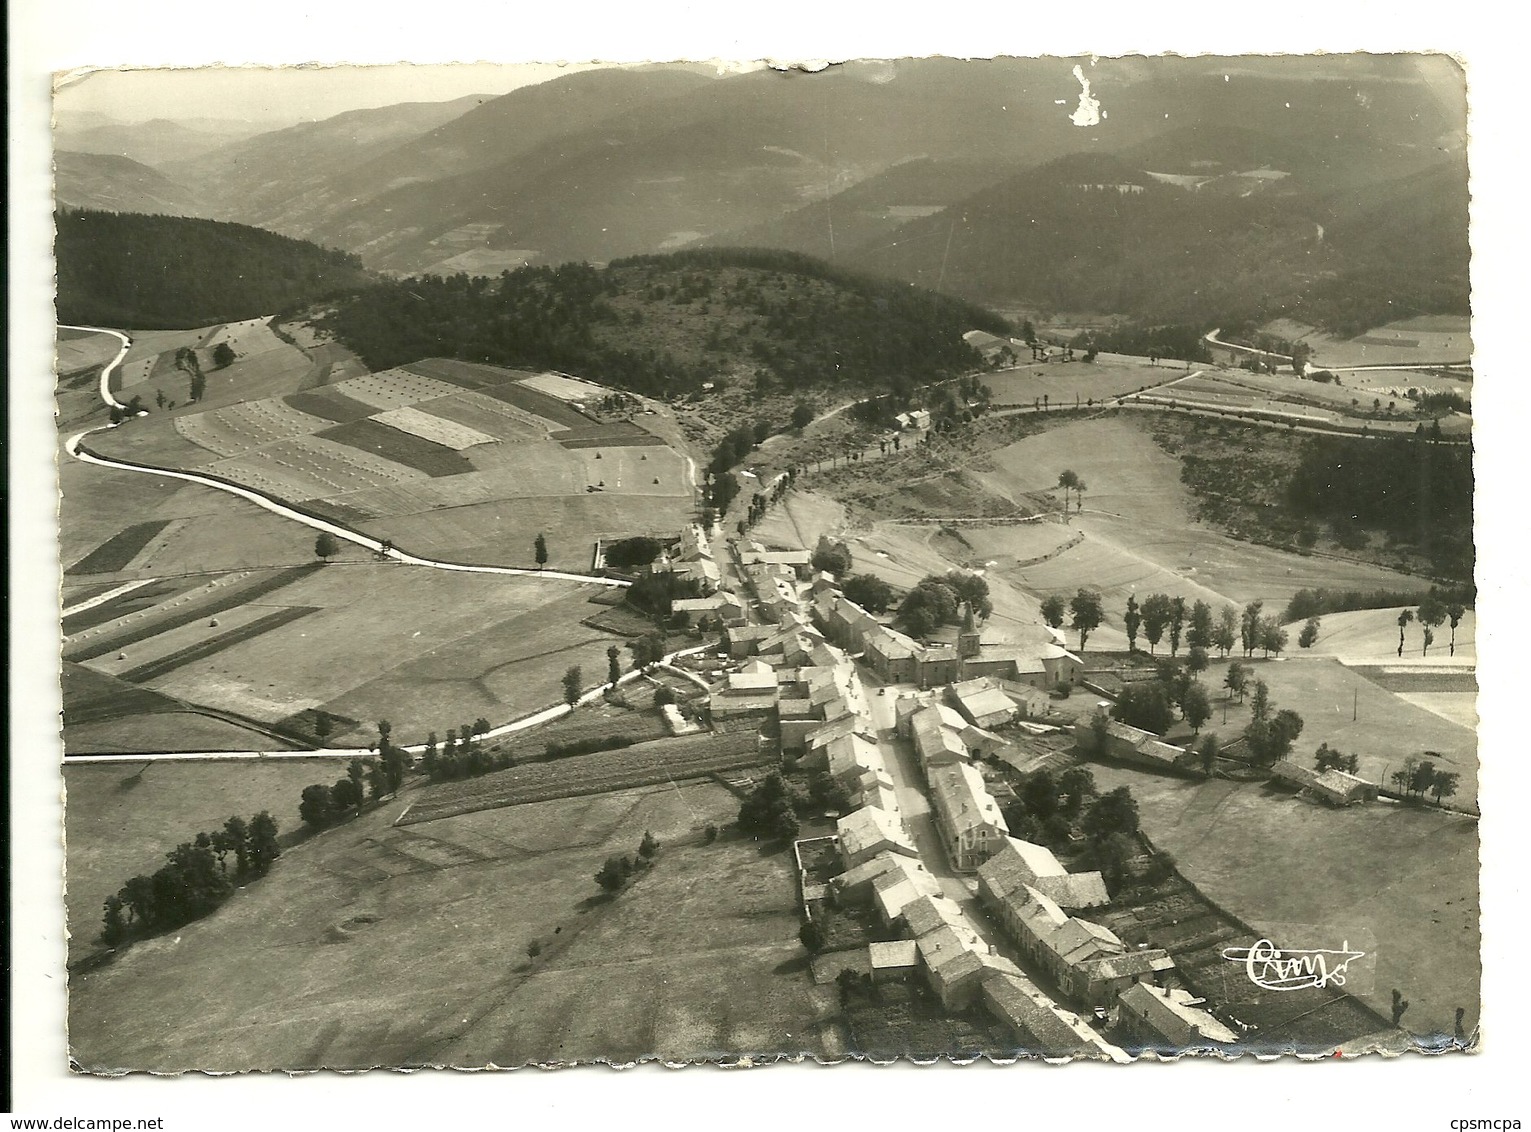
x: 394, y: 388
x: 400, y: 447
x: 663, y: 760
x: 116, y: 552
x: 449, y: 434
x: 330, y: 404
x: 499, y: 419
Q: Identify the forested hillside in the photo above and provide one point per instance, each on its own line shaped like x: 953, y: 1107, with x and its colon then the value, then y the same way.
x: 668, y: 323
x: 170, y: 272
x: 1097, y: 233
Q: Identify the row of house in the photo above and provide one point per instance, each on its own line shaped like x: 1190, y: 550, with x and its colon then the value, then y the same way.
x: 966, y: 814
x: 899, y: 659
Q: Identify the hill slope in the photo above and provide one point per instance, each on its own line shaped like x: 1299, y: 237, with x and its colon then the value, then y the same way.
x: 173, y: 272
x: 262, y: 180
x: 1097, y: 232
x: 119, y: 184
x: 663, y: 324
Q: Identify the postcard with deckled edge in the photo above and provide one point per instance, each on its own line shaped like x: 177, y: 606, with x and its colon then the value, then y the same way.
x: 693, y: 562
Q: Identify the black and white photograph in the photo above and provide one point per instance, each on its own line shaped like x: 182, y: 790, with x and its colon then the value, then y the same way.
x: 734, y: 560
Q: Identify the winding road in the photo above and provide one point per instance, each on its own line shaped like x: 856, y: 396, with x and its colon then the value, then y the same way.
x: 75, y: 446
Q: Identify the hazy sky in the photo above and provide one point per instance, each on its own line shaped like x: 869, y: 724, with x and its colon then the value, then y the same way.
x: 288, y: 94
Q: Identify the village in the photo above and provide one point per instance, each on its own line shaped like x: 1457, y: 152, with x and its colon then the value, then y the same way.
x: 917, y: 746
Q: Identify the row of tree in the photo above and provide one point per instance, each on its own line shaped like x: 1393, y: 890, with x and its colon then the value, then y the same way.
x: 194, y: 880
x: 321, y: 806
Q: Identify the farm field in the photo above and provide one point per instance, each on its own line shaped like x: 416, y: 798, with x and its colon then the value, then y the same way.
x: 1371, y: 636
x: 644, y: 764
x: 405, y: 454
x: 265, y: 366
x: 1427, y: 338
x: 424, y: 649
x: 159, y: 732
x: 1110, y: 375
x: 1409, y: 874
x: 121, y: 818
x: 370, y: 945
x: 1385, y: 730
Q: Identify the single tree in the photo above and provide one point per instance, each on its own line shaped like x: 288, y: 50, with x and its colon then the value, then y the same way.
x: 1067, y: 480
x: 1309, y: 635
x: 802, y: 413
x: 572, y: 682
x: 540, y: 551
x: 356, y: 773
x: 1074, y: 783
x: 1087, y: 614
x: 1039, y: 794
x: 1237, y: 680
x: 1200, y: 633
x: 832, y: 557
x: 264, y: 849
x: 613, y: 665
x: 1176, y: 623
x: 1224, y: 635
x: 1455, y: 612
x: 113, y: 928
x: 1196, y: 707
x: 1113, y: 813
x: 611, y: 876
x: 223, y: 355
x: 1405, y: 618
x: 1052, y: 611
x: 868, y: 591
x: 648, y: 846
x: 1156, y: 617
x: 812, y: 936
x: 1206, y: 749
x: 1273, y: 637
x: 1428, y: 640
x: 1131, y: 620
x: 326, y: 546
x: 317, y: 806
x: 1196, y: 661
x: 1444, y: 785
x: 1249, y: 627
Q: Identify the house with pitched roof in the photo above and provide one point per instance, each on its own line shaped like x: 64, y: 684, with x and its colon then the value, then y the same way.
x: 967, y: 816
x: 1016, y: 864
x: 1041, y: 1027
x: 1167, y: 1020
x: 870, y: 831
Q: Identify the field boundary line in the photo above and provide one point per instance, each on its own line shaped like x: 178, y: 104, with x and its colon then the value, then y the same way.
x: 75, y: 447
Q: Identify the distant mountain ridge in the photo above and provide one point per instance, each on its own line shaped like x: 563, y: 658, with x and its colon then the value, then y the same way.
x: 119, y: 184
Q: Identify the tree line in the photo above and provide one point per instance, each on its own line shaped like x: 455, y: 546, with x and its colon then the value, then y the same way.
x: 194, y: 880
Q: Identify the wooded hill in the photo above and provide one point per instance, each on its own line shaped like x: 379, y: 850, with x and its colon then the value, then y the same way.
x: 667, y: 323
x: 1097, y: 232
x: 171, y: 272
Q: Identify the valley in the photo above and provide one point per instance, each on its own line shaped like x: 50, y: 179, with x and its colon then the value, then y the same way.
x: 723, y: 567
